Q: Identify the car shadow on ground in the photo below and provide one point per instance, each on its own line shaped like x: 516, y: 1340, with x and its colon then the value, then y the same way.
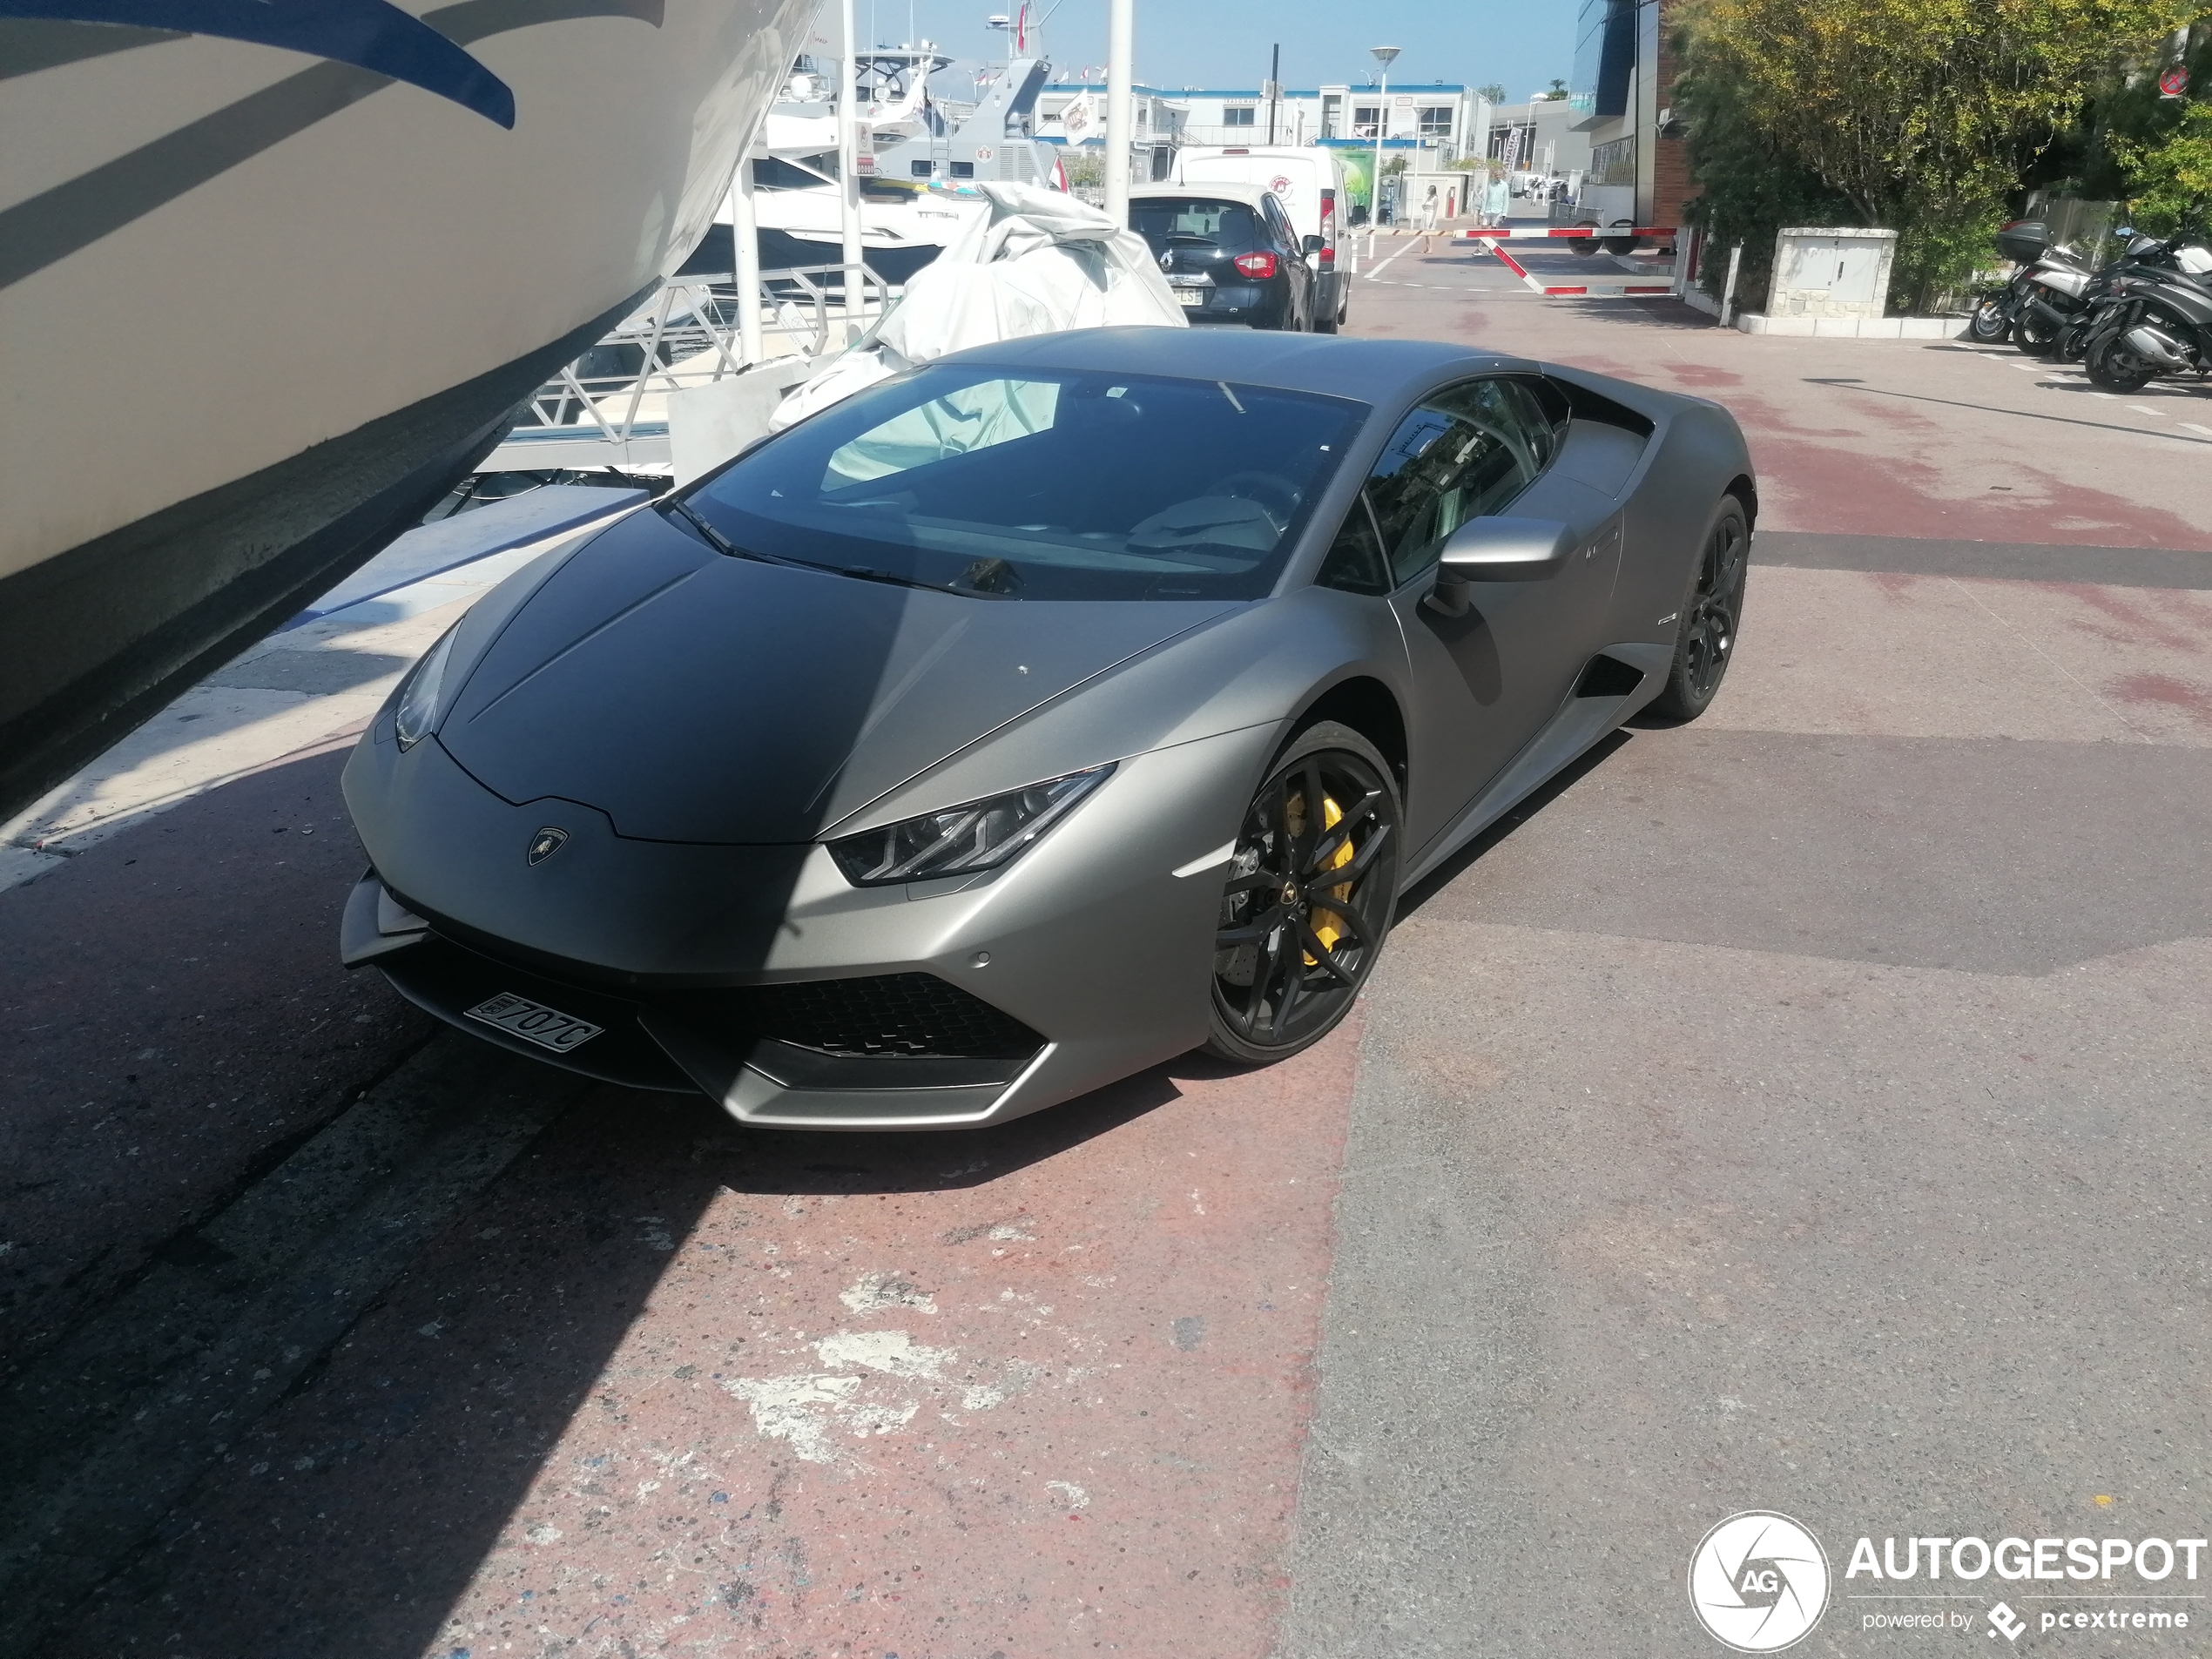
x: 1442, y: 877
x: 182, y: 1028
x: 348, y: 1519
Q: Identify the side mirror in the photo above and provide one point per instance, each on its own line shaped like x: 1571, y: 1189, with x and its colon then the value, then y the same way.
x: 1314, y: 245
x: 1498, y: 549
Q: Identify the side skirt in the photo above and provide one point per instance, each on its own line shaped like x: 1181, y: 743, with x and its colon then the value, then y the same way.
x: 1602, y: 698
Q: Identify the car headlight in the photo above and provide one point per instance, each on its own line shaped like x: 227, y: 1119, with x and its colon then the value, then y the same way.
x: 419, y: 693
x: 980, y: 835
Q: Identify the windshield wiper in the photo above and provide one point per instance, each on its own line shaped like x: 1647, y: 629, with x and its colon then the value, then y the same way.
x: 723, y: 544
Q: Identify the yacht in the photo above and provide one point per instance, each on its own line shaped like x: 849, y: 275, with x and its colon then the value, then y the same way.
x: 270, y: 283
x: 919, y: 167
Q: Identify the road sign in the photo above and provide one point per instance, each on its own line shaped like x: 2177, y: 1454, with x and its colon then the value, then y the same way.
x: 2174, y: 82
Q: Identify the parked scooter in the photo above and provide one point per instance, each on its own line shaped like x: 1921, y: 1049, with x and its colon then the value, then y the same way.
x: 2031, y: 308
x: 2152, y: 323
x: 1996, y: 316
x: 2142, y: 257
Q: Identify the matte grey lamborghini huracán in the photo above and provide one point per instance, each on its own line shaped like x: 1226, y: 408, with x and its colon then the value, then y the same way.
x: 1034, y: 717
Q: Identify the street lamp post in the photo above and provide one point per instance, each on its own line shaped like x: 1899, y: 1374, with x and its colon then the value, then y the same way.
x: 1385, y: 55
x: 848, y: 171
x: 1121, y: 105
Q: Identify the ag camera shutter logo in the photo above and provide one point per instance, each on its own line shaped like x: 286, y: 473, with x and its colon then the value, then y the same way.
x: 1758, y: 1581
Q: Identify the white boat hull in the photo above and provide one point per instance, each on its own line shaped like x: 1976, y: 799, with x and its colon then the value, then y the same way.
x: 260, y: 308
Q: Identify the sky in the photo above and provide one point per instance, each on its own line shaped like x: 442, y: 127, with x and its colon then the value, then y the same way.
x: 1211, y: 43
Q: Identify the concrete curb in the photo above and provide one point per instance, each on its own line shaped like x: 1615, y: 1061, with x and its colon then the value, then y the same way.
x: 1753, y: 323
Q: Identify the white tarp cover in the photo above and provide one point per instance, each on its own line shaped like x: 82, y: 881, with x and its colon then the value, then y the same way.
x: 1038, y: 262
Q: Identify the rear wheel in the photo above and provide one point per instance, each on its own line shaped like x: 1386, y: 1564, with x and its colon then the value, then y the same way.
x: 1706, y: 638
x: 1311, y: 887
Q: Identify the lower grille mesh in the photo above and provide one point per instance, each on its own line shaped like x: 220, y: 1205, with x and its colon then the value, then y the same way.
x: 886, y: 1015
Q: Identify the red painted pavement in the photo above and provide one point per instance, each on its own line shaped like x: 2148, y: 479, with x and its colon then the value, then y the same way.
x: 675, y: 1387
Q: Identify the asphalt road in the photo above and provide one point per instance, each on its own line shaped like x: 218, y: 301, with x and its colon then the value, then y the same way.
x: 1803, y: 1109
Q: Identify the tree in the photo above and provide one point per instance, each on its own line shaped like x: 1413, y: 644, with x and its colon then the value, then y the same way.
x: 1746, y: 192
x: 2172, y: 176
x: 1557, y: 93
x: 1918, y: 112
x: 1493, y: 93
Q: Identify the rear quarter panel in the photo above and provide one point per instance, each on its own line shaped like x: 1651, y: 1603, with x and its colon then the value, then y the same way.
x: 1696, y: 451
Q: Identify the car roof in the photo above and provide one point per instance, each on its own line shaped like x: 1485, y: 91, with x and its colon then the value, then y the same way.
x: 1371, y: 371
x: 1248, y: 194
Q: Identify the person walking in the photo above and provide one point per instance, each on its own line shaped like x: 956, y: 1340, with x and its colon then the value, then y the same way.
x: 1428, y: 211
x: 1495, y: 199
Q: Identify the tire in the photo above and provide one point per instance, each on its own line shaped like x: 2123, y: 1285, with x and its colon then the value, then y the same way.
x: 1293, y: 948
x: 2112, y: 365
x: 1712, y: 611
x: 1989, y: 325
x: 1584, y: 246
x: 2035, y: 333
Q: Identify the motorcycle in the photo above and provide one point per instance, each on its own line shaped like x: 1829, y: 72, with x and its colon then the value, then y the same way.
x: 1996, y: 314
x: 2142, y: 257
x: 2151, y: 325
x: 2029, y: 309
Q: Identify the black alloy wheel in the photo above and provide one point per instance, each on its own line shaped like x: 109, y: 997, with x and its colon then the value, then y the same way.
x: 1989, y: 324
x: 1711, y: 615
x: 1312, y: 888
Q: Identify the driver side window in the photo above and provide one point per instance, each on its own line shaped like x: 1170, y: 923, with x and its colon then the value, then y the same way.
x: 1466, y: 451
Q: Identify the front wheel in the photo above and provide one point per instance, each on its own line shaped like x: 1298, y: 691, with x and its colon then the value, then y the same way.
x: 2116, y: 368
x: 1312, y: 885
x: 1705, y: 638
x: 1989, y: 324
x: 2033, y: 333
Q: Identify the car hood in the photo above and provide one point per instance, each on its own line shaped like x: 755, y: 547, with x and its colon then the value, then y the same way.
x: 692, y: 697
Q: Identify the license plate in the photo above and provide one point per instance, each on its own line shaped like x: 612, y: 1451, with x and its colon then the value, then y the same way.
x: 1191, y: 296
x: 535, y: 1022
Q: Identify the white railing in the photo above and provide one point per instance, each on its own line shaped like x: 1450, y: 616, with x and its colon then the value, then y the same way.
x: 610, y: 407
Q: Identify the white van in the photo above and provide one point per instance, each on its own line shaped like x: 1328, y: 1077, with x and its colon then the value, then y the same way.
x: 1309, y: 182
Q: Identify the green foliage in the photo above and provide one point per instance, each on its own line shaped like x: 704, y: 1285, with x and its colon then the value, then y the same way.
x: 1746, y: 192
x: 1494, y: 93
x: 1558, y: 91
x: 1921, y: 113
x: 2171, y: 175
x: 1085, y: 167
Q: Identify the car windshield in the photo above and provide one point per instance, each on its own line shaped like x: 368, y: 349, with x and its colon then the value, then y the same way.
x: 1162, y: 220
x: 1041, y: 484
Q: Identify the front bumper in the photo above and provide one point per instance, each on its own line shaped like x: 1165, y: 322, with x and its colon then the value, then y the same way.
x: 762, y: 977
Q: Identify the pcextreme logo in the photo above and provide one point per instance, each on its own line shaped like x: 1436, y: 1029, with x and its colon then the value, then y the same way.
x: 1758, y: 1581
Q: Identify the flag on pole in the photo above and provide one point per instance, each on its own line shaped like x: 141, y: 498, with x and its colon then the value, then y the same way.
x: 1080, y: 119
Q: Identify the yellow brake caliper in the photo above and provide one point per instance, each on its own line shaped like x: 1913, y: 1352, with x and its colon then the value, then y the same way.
x: 1326, y: 924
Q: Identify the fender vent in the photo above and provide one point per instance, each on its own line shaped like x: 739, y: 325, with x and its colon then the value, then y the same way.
x: 1608, y: 677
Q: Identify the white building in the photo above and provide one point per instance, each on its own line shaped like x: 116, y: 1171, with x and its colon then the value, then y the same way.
x: 1442, y: 121
x: 1544, y: 136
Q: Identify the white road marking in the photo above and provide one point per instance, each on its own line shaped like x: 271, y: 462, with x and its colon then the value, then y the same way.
x: 2145, y: 408
x: 1385, y: 266
x: 2193, y: 427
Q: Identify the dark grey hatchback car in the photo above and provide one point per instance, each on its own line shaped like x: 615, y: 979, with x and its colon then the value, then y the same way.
x: 1229, y: 253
